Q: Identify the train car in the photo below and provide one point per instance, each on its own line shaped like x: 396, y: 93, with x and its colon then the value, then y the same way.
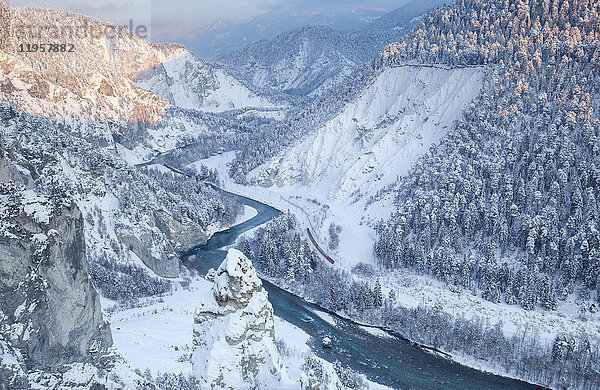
x: 321, y: 251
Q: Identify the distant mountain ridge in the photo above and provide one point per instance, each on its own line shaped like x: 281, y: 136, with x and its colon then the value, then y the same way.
x: 227, y: 36
x: 310, y: 59
x: 192, y: 83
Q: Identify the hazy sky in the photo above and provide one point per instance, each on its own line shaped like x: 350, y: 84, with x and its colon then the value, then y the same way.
x: 178, y: 17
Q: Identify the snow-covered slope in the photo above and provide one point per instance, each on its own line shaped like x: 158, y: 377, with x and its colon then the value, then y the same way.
x: 376, y: 137
x: 192, y: 83
x: 91, y: 82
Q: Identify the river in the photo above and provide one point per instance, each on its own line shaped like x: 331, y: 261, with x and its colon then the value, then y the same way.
x: 392, y: 361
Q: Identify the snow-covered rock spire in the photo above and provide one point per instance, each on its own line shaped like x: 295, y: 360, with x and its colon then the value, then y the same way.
x: 234, y: 334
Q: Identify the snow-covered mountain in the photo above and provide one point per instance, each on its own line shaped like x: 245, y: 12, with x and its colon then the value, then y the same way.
x: 192, y: 83
x: 303, y: 62
x: 93, y: 82
x: 311, y: 59
x: 375, y: 138
x: 80, y: 221
x: 111, y: 74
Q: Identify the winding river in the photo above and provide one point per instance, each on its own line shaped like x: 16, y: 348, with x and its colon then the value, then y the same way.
x: 392, y: 361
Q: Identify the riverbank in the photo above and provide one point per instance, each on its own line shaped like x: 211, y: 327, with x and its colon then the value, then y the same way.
x: 247, y: 214
x: 157, y: 334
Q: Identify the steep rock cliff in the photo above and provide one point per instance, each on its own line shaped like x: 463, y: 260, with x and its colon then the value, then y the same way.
x: 49, y: 308
x: 234, y: 335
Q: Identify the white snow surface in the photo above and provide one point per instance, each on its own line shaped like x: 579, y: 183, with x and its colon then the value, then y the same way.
x: 381, y: 134
x: 236, y: 278
x: 377, y: 332
x: 36, y: 205
x: 85, y: 376
x: 325, y: 317
x: 248, y: 214
x: 218, y: 162
x: 189, y: 82
x: 157, y: 335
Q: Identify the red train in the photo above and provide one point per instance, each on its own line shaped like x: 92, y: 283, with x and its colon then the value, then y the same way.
x: 325, y: 255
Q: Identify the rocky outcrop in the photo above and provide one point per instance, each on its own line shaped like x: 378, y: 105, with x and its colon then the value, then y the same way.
x: 234, y: 336
x: 181, y: 236
x: 50, y: 310
x: 147, y: 245
x: 190, y: 82
x: 157, y: 243
x: 9, y: 173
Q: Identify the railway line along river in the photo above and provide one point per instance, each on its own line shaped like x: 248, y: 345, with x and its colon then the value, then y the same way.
x: 389, y: 359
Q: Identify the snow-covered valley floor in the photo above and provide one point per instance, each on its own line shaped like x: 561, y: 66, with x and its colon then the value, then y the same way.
x: 314, y: 210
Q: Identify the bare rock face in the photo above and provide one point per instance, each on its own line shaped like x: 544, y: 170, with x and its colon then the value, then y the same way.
x: 160, y: 260
x: 234, y: 335
x: 49, y: 309
x: 181, y: 236
x: 158, y: 244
